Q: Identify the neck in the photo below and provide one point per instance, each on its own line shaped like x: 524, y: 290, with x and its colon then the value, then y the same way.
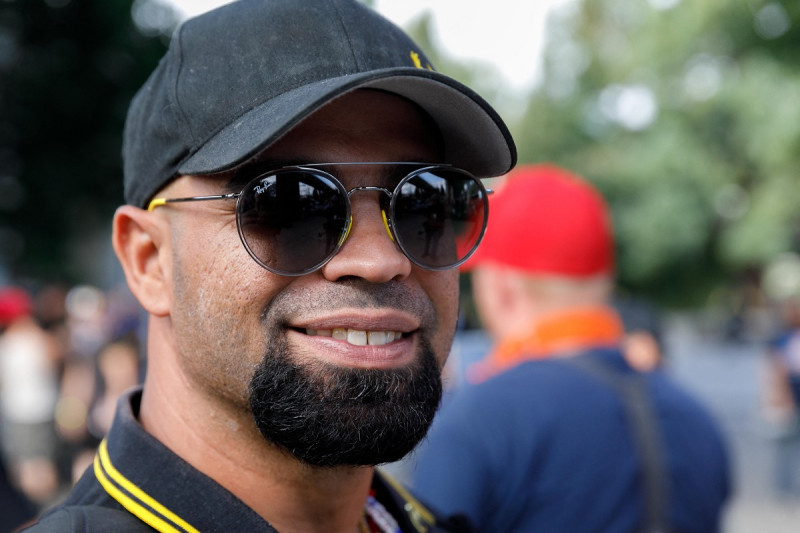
x: 219, y: 439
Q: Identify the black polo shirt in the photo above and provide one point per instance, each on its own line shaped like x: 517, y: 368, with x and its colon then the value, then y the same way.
x: 138, y: 484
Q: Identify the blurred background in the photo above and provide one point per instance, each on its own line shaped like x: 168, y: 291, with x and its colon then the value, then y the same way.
x: 685, y: 114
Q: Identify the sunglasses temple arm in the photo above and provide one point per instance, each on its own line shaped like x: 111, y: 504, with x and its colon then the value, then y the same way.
x: 156, y: 202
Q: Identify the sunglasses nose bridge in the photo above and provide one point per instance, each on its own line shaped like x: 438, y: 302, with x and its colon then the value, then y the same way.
x: 384, y: 216
x: 387, y: 192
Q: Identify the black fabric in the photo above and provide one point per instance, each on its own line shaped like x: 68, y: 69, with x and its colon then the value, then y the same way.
x: 15, y: 509
x: 237, y: 78
x: 90, y: 518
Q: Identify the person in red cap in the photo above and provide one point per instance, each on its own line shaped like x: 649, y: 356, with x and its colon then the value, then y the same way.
x: 28, y: 395
x: 557, y: 431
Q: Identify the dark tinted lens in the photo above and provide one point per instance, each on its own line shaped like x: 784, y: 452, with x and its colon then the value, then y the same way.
x: 292, y: 221
x: 438, y: 216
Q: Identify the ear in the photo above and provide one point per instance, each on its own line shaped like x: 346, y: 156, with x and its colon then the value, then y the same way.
x: 141, y: 241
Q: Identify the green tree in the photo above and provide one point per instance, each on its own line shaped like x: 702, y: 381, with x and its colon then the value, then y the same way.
x: 685, y: 114
x: 68, y: 69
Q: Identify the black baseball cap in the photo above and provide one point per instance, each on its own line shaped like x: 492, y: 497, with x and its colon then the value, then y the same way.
x: 237, y: 78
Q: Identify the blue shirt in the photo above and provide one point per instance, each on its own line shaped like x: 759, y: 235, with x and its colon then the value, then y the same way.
x: 546, y: 447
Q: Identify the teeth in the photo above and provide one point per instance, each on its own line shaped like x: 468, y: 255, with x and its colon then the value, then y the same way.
x: 377, y: 337
x: 357, y: 337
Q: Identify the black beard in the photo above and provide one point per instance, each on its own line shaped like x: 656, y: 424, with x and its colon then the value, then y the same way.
x: 326, y: 415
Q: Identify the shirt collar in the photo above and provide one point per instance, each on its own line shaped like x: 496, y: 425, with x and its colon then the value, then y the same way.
x: 142, y: 474
x: 558, y: 333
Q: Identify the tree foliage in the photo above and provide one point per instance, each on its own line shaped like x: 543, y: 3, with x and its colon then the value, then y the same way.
x: 685, y: 114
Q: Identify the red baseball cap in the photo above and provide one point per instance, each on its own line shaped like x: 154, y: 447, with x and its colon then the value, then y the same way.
x: 545, y: 220
x: 14, y: 303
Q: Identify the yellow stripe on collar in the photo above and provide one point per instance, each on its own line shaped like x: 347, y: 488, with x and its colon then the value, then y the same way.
x: 103, y: 469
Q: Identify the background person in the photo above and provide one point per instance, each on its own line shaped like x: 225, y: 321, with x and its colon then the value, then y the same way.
x: 296, y: 208
x: 642, y: 344
x: 558, y: 432
x: 781, y: 398
x: 29, y: 363
x: 15, y: 507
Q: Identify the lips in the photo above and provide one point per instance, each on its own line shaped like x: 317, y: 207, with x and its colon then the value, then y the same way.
x: 357, y: 337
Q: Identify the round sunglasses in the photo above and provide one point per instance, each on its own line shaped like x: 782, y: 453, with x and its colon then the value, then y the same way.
x: 293, y: 220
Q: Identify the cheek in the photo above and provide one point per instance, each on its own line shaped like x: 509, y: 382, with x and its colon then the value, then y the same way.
x: 442, y: 288
x: 223, y: 289
x: 220, y: 296
x: 219, y: 263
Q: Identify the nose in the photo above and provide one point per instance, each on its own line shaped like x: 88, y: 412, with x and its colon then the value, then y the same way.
x: 369, y: 252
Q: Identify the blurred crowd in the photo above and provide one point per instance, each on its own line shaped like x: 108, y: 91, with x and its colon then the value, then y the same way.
x: 66, y: 353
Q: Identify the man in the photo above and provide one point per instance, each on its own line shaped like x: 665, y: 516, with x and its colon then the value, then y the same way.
x: 293, y: 226
x: 559, y: 433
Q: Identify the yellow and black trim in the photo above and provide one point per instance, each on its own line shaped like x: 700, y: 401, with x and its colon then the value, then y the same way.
x: 418, y: 515
x: 134, y: 499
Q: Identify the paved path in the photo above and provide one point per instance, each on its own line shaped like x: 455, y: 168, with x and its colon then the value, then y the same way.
x: 726, y: 377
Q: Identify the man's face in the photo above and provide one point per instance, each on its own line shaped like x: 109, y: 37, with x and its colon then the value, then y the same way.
x: 254, y: 340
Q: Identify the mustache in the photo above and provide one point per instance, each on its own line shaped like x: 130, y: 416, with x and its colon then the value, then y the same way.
x: 349, y: 293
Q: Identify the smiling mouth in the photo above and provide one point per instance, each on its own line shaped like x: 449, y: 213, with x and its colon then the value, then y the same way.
x: 357, y: 337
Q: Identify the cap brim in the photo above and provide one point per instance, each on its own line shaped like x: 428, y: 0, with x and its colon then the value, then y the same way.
x: 475, y: 137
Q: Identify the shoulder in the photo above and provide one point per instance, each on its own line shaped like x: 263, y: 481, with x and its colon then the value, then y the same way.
x: 532, y: 386
x: 519, y: 378
x: 672, y: 396
x: 538, y: 391
x: 87, y: 509
x: 88, y: 519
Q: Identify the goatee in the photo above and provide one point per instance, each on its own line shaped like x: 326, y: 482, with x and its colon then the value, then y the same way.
x: 326, y: 415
